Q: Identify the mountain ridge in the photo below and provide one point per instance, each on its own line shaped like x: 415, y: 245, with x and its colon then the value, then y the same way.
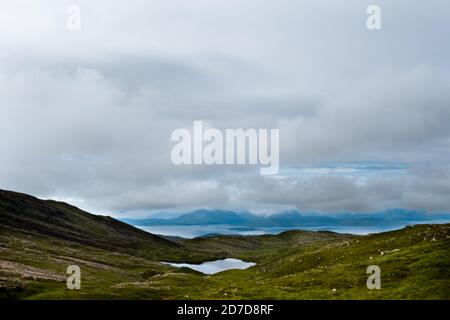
x: 292, y: 218
x: 23, y: 213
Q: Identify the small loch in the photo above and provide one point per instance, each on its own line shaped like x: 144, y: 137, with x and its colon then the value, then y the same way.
x: 211, y: 267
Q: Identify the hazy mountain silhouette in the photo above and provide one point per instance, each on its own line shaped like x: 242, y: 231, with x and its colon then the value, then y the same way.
x: 290, y: 219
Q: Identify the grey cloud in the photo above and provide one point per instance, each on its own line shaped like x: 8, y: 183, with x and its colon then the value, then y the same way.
x: 87, y: 115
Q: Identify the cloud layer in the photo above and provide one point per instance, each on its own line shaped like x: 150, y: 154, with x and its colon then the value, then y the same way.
x: 86, y: 115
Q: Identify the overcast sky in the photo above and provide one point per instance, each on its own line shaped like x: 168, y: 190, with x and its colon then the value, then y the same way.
x: 364, y: 116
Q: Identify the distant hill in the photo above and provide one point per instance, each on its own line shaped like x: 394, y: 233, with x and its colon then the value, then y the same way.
x: 291, y: 219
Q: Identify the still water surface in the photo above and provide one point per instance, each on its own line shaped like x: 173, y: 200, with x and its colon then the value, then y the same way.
x: 211, y: 267
x: 198, y: 231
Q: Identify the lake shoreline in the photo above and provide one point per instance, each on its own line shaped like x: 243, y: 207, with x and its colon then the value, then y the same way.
x: 215, y: 230
x: 214, y: 266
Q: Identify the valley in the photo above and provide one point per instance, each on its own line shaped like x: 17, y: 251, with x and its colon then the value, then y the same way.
x: 40, y: 239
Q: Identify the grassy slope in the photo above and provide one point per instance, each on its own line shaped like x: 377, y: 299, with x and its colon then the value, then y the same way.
x: 119, y: 262
x: 22, y: 213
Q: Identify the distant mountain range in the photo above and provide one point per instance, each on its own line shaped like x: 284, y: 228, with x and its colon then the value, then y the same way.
x: 291, y: 219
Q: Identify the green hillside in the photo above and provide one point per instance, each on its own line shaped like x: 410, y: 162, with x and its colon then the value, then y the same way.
x: 39, y: 239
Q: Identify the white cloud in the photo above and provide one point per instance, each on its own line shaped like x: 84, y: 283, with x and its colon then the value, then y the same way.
x: 87, y: 114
